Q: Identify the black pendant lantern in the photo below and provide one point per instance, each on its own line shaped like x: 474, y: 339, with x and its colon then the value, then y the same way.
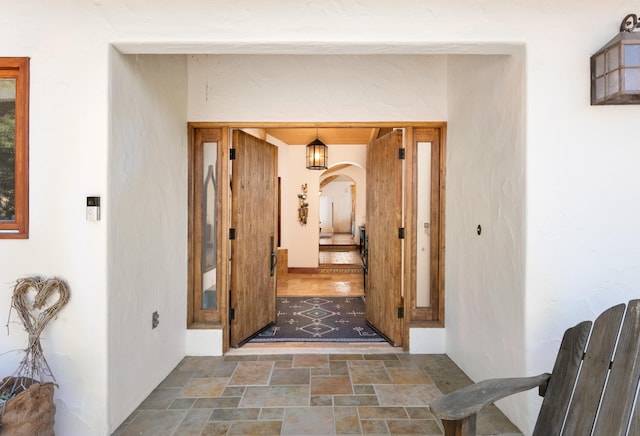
x: 317, y: 156
x: 615, y: 68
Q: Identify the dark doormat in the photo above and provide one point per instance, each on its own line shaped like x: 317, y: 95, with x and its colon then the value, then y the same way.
x: 319, y: 319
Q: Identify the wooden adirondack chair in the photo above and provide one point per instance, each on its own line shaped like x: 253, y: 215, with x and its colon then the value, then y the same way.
x: 587, y: 391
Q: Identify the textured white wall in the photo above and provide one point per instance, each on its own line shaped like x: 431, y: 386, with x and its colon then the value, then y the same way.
x: 580, y: 214
x: 486, y: 186
x: 68, y: 140
x: 147, y: 263
x: 316, y: 88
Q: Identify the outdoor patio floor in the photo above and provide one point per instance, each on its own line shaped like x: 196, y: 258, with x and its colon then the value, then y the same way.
x: 305, y: 394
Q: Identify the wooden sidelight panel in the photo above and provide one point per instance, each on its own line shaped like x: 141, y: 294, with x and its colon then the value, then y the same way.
x: 253, y: 237
x: 425, y: 242
x: 208, y: 174
x: 384, y: 307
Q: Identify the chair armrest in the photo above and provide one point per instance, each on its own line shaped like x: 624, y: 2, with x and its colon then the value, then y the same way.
x: 470, y: 400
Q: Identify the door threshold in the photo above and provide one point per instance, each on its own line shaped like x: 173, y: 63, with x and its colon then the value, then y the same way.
x: 314, y: 348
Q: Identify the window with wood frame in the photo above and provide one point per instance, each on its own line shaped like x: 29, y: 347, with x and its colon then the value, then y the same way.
x: 14, y: 148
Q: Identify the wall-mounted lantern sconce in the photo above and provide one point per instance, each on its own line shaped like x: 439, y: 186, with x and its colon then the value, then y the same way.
x: 615, y: 68
x: 303, y: 206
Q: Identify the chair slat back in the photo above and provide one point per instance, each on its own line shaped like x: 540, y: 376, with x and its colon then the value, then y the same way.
x: 634, y: 428
x: 593, y: 374
x: 589, y: 389
x: 564, y: 375
x: 620, y: 392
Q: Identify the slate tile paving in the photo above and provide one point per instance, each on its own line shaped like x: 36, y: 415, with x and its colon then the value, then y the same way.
x: 304, y: 394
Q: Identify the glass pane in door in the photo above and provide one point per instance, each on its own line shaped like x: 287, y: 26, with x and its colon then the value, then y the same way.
x: 209, y: 227
x: 423, y: 231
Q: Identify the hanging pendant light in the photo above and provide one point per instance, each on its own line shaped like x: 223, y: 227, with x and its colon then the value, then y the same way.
x: 317, y: 155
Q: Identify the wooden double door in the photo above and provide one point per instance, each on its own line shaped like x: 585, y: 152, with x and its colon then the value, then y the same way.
x: 246, y: 258
x: 254, y: 213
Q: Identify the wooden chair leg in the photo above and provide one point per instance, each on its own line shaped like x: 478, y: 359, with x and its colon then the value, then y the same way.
x: 461, y: 427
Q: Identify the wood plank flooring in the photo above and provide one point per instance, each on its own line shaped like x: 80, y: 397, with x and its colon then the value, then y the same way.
x: 320, y: 285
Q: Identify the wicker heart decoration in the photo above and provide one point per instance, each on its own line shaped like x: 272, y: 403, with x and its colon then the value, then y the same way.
x: 37, y: 301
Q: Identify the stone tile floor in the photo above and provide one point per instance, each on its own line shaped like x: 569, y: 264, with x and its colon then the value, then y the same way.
x: 304, y: 394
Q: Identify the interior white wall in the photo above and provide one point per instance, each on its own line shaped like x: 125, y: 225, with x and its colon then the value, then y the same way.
x: 485, y: 296
x: 147, y: 244
x: 358, y: 174
x: 339, y: 192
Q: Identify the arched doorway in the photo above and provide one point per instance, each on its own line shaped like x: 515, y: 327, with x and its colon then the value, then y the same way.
x: 339, y: 236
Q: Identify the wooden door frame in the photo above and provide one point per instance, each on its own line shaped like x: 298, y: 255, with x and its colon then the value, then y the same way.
x: 410, y: 192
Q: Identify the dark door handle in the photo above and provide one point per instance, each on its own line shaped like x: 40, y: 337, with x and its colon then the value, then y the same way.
x: 274, y: 257
x: 274, y: 262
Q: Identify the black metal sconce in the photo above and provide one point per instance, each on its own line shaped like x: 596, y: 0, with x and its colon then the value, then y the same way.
x: 615, y: 68
x: 317, y: 155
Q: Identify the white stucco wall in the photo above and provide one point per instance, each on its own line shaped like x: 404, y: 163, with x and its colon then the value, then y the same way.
x: 581, y: 237
x: 486, y: 186
x: 68, y: 140
x: 316, y: 88
x: 147, y: 245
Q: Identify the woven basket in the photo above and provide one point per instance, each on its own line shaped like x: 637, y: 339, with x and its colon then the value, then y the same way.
x: 31, y: 412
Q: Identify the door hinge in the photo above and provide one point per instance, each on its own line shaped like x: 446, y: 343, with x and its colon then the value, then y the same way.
x: 401, y: 233
x: 232, y: 154
x: 232, y: 313
x: 401, y: 153
x: 232, y: 234
x: 400, y: 312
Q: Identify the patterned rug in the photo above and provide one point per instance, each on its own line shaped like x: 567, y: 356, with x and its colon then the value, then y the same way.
x: 319, y: 319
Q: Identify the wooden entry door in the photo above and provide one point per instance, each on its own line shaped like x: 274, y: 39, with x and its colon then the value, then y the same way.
x: 383, y: 309
x: 254, y: 222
